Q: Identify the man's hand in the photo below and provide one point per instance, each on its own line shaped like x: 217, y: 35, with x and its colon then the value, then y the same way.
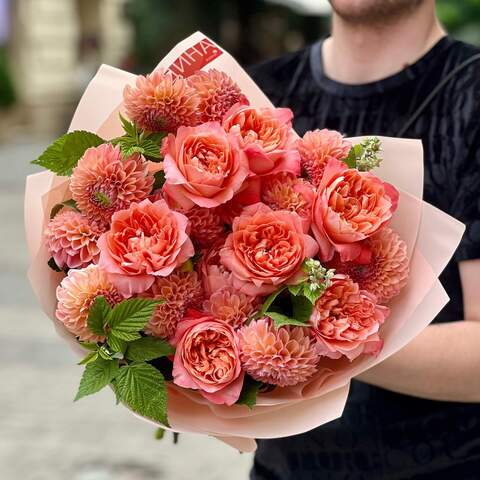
x: 443, y: 362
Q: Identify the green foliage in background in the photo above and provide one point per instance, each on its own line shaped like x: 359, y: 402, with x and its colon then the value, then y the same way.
x: 461, y: 18
x: 7, y: 93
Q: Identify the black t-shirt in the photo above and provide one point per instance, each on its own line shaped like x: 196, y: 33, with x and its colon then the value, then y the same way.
x: 383, y: 435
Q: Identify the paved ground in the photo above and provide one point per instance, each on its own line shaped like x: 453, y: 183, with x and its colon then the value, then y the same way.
x: 43, y: 434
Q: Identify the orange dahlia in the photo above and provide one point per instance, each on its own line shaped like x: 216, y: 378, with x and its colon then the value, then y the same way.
x: 317, y: 147
x: 75, y: 296
x: 71, y: 239
x: 284, y: 356
x: 387, y: 272
x: 179, y: 291
x: 161, y: 101
x: 103, y: 182
x: 231, y: 306
x: 206, y: 226
x: 217, y: 92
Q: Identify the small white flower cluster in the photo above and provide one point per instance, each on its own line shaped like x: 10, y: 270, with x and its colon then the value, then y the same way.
x: 371, y: 154
x: 319, y: 277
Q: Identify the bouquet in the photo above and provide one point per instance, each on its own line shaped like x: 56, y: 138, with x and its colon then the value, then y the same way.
x: 220, y: 273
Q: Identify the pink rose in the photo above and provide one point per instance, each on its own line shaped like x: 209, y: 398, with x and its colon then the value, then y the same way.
x: 265, y: 249
x: 266, y: 136
x: 346, y: 320
x: 350, y: 206
x: 145, y: 241
x: 207, y: 359
x: 203, y: 165
x: 213, y: 274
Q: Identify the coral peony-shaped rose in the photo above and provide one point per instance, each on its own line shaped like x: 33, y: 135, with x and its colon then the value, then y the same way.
x: 346, y: 320
x: 103, y: 182
x: 76, y: 294
x: 178, y: 291
x: 212, y: 272
x: 206, y: 226
x: 284, y: 356
x: 71, y: 239
x: 161, y: 101
x: 317, y: 148
x: 217, y: 92
x: 266, y: 136
x: 284, y: 191
x: 349, y: 207
x: 386, y: 273
x: 233, y: 307
x: 265, y: 249
x: 207, y: 359
x: 146, y: 241
x: 203, y: 166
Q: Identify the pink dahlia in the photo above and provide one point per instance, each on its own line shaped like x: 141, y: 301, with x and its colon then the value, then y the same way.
x: 284, y: 356
x: 217, y: 92
x: 346, y: 320
x: 75, y: 296
x: 386, y: 273
x: 179, y: 291
x: 103, y: 182
x: 72, y: 239
x: 206, y: 226
x: 317, y: 147
x: 284, y: 191
x: 233, y: 307
x: 161, y: 101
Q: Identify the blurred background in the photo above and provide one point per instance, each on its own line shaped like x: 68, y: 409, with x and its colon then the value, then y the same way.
x: 49, y: 50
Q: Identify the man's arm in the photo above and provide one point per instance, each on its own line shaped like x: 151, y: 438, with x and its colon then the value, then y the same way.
x: 443, y: 362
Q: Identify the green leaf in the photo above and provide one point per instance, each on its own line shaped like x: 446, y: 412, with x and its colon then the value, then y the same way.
x: 353, y: 155
x: 129, y: 127
x: 159, y: 180
x: 91, y: 357
x: 97, y: 315
x: 295, y: 289
x: 53, y: 265
x: 63, y: 154
x: 302, y: 309
x: 312, y: 295
x: 148, y: 348
x: 248, y: 395
x: 96, y: 376
x: 117, y: 344
x: 279, y: 320
x: 93, y: 347
x: 127, y: 318
x: 59, y: 206
x: 269, y: 300
x: 159, y: 433
x: 151, y: 149
x: 142, y: 387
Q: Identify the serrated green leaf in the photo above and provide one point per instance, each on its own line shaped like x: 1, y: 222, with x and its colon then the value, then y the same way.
x: 302, y: 309
x: 133, y: 150
x: 91, y: 357
x: 248, y: 395
x: 96, y: 376
x: 150, y: 149
x: 59, y: 206
x: 117, y: 344
x: 63, y: 154
x: 127, y: 318
x: 269, y: 300
x: 312, y: 295
x: 148, y: 348
x: 97, y: 315
x: 142, y: 387
x: 129, y: 127
x: 93, y: 347
x: 279, y: 320
x: 295, y: 289
x: 53, y: 265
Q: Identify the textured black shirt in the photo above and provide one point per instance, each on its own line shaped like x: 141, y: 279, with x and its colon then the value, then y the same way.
x: 383, y: 435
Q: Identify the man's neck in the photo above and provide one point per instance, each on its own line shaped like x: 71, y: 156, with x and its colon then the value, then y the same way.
x: 357, y: 54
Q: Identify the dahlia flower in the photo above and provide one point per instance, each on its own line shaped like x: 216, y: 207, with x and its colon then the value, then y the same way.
x: 284, y: 356
x: 103, y: 182
x: 317, y: 147
x: 179, y: 291
x: 346, y: 320
x: 206, y: 226
x: 71, y: 239
x: 76, y: 294
x: 386, y: 273
x: 233, y: 307
x: 217, y: 92
x: 161, y: 101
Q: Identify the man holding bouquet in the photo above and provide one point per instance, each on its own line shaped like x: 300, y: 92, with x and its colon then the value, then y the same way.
x: 389, y: 68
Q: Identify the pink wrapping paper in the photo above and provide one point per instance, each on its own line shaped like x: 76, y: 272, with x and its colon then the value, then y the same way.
x: 431, y: 237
